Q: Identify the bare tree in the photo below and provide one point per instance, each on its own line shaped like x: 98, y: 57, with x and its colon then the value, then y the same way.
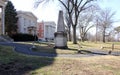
x: 110, y: 36
x: 85, y: 26
x: 86, y: 22
x: 74, y: 8
x: 68, y: 26
x: 105, y: 21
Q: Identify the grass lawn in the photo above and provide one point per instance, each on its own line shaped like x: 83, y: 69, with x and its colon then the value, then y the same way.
x: 12, y: 63
x: 100, y: 45
x: 74, y: 48
x: 102, y: 65
x: 49, y: 48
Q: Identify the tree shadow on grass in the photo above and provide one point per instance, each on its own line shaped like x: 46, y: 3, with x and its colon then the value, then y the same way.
x: 90, y: 52
x: 14, y: 63
x: 21, y: 66
x: 72, y: 49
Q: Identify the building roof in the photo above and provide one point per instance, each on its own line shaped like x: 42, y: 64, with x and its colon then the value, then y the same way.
x: 2, y: 3
x: 27, y: 13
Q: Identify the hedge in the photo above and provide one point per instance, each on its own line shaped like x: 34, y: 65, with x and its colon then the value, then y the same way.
x: 24, y: 37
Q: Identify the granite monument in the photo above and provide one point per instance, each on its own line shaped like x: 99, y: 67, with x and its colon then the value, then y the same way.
x: 60, y: 35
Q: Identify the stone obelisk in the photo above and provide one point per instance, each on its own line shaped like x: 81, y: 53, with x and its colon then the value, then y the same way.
x: 60, y: 35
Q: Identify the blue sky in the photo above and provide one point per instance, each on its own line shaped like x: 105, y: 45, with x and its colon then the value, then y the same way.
x: 114, y: 5
x: 49, y: 12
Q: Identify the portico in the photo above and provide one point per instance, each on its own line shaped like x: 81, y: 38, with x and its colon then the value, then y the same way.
x: 2, y: 25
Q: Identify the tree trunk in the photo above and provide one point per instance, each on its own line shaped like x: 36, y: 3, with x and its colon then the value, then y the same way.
x: 69, y: 34
x: 83, y: 37
x: 74, y: 35
x: 104, y: 35
x: 118, y: 36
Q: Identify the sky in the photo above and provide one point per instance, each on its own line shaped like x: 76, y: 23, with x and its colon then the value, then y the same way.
x: 45, y: 12
x: 49, y: 11
x: 115, y: 7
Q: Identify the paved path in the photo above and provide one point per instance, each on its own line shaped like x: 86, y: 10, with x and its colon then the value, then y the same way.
x: 25, y: 49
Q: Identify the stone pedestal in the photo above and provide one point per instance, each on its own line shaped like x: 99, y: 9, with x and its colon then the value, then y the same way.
x: 60, y: 40
x: 60, y: 35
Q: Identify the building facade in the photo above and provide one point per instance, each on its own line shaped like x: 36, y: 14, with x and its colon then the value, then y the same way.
x: 46, y: 30
x: 27, y: 22
x: 2, y: 17
x: 0, y: 24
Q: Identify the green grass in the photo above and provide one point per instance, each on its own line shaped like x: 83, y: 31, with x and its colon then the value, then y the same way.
x: 8, y: 57
x: 7, y: 54
x: 98, y: 65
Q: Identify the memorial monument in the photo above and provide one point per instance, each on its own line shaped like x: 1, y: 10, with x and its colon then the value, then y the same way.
x: 60, y: 35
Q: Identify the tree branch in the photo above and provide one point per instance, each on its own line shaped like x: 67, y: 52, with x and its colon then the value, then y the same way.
x: 63, y: 4
x: 80, y: 3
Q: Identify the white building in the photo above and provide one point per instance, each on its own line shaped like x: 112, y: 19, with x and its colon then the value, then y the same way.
x: 0, y: 24
x: 27, y: 22
x: 46, y: 30
x: 2, y: 17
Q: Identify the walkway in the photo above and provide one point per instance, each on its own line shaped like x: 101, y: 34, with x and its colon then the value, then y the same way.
x: 25, y: 49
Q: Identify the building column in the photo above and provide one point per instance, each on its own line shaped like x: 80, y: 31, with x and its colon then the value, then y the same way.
x: 3, y: 20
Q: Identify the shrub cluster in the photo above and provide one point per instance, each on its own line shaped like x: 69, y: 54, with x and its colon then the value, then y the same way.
x: 24, y: 37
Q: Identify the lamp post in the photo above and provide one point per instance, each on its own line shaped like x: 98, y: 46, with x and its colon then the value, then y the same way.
x: 33, y: 40
x: 33, y: 33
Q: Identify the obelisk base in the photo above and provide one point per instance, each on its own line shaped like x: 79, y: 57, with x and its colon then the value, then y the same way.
x: 60, y: 40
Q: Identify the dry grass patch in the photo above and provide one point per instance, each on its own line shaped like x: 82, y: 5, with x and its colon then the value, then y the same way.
x: 99, y: 65
x: 100, y: 45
